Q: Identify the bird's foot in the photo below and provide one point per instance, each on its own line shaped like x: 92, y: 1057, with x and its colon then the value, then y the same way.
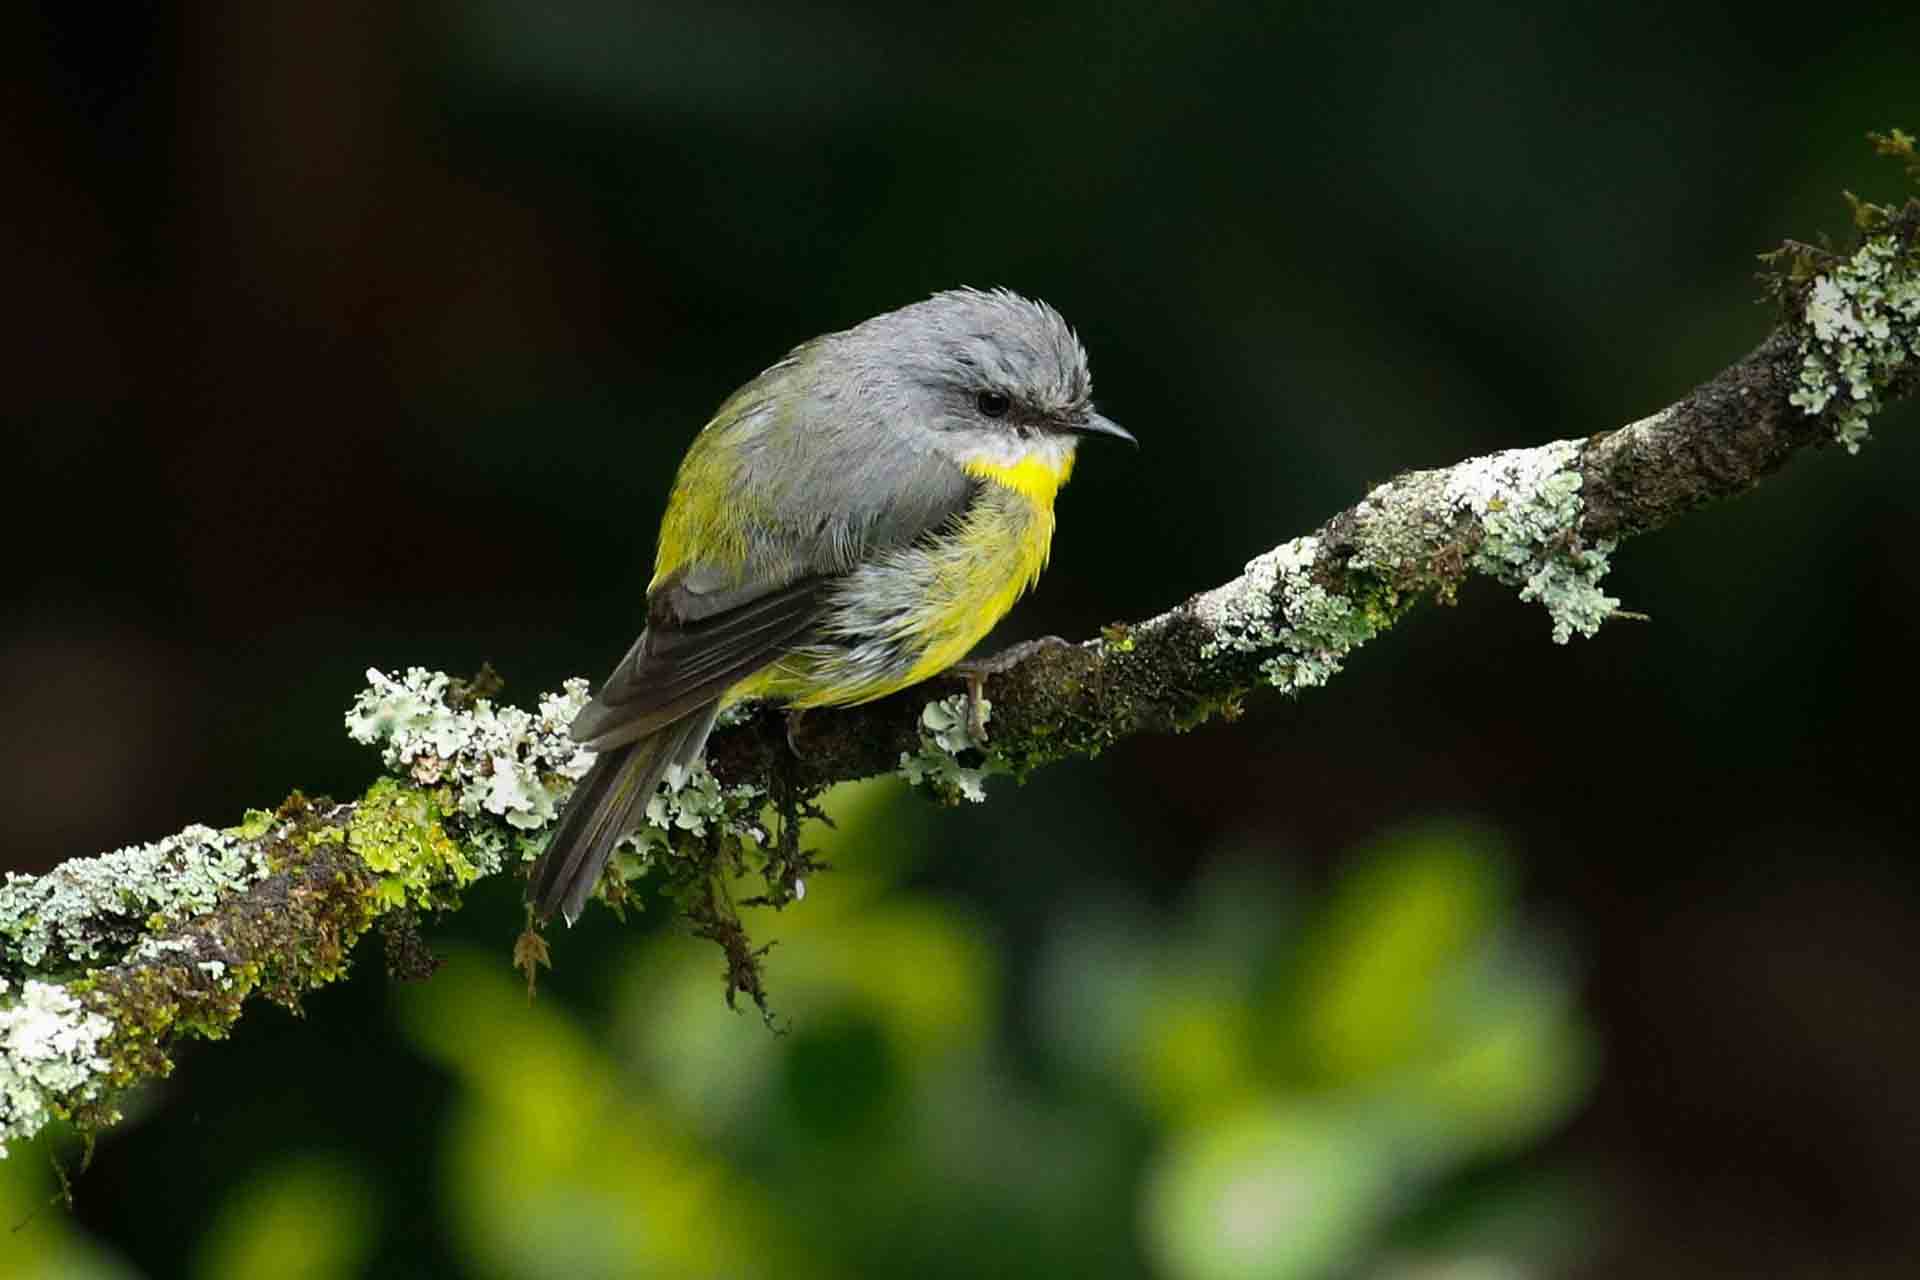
x: 794, y: 716
x: 976, y: 670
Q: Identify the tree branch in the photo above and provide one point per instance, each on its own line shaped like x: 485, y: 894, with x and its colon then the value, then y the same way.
x: 105, y: 962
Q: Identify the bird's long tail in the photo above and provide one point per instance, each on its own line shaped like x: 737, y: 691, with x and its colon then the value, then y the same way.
x: 610, y: 802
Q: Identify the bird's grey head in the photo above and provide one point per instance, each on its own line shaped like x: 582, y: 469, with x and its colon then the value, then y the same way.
x: 985, y: 373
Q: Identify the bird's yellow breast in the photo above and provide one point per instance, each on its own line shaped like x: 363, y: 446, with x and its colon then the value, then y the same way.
x: 916, y: 611
x: 1000, y: 549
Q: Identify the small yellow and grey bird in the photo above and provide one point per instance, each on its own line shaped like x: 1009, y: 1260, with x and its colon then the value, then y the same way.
x: 851, y: 522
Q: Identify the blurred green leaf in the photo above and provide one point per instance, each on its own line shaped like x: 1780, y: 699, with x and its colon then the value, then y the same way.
x: 1095, y: 985
x: 1377, y: 971
x: 1266, y: 1194
x: 1195, y: 1056
x: 40, y: 1240
x: 306, y: 1218
x: 1518, y: 1064
x: 555, y: 1168
x: 923, y: 971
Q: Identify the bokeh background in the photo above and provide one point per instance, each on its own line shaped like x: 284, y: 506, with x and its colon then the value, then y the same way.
x: 363, y: 333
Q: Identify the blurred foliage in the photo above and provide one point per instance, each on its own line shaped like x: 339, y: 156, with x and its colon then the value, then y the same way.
x: 40, y: 1240
x: 298, y: 1219
x: 1263, y: 1082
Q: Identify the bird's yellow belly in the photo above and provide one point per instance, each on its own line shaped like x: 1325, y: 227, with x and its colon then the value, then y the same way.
x: 915, y: 611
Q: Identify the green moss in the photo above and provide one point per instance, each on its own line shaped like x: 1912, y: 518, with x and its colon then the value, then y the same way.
x: 325, y: 833
x: 290, y: 933
x: 150, y: 1004
x: 396, y: 829
x: 255, y: 824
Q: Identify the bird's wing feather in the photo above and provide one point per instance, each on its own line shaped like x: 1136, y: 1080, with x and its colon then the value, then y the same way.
x: 698, y: 643
x: 676, y: 667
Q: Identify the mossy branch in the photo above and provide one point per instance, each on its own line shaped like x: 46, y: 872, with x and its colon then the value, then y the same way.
x: 105, y: 963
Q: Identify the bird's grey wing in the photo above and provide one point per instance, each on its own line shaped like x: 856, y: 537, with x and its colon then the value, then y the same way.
x: 681, y: 664
x: 834, y: 462
x: 708, y: 629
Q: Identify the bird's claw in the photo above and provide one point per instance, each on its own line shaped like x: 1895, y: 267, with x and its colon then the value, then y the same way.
x: 976, y: 670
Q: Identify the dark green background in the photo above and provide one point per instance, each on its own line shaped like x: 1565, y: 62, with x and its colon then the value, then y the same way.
x: 368, y: 334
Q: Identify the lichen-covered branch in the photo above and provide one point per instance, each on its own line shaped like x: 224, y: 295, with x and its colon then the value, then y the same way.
x: 106, y: 962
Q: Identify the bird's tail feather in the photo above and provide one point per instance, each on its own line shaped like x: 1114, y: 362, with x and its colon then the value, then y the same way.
x: 607, y: 804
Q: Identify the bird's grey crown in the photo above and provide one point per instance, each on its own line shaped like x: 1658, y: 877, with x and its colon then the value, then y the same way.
x: 970, y: 340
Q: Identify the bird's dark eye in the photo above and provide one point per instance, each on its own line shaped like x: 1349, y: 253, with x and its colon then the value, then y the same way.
x: 992, y: 404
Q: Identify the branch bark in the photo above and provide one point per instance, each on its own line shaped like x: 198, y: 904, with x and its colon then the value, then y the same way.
x: 105, y: 962
x: 1408, y: 540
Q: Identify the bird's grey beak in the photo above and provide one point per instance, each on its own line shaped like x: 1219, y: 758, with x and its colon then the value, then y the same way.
x: 1095, y: 425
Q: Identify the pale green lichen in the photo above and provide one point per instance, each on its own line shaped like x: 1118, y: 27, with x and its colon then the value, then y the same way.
x: 512, y: 764
x: 501, y: 762
x: 87, y: 909
x: 691, y: 800
x: 694, y: 801
x: 946, y: 730
x: 1239, y: 615
x: 1526, y: 509
x: 1276, y: 605
x: 1528, y: 505
x: 158, y: 949
x: 1862, y: 323
x: 49, y: 1057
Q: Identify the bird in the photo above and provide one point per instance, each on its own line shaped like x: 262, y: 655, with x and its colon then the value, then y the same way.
x: 850, y: 522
